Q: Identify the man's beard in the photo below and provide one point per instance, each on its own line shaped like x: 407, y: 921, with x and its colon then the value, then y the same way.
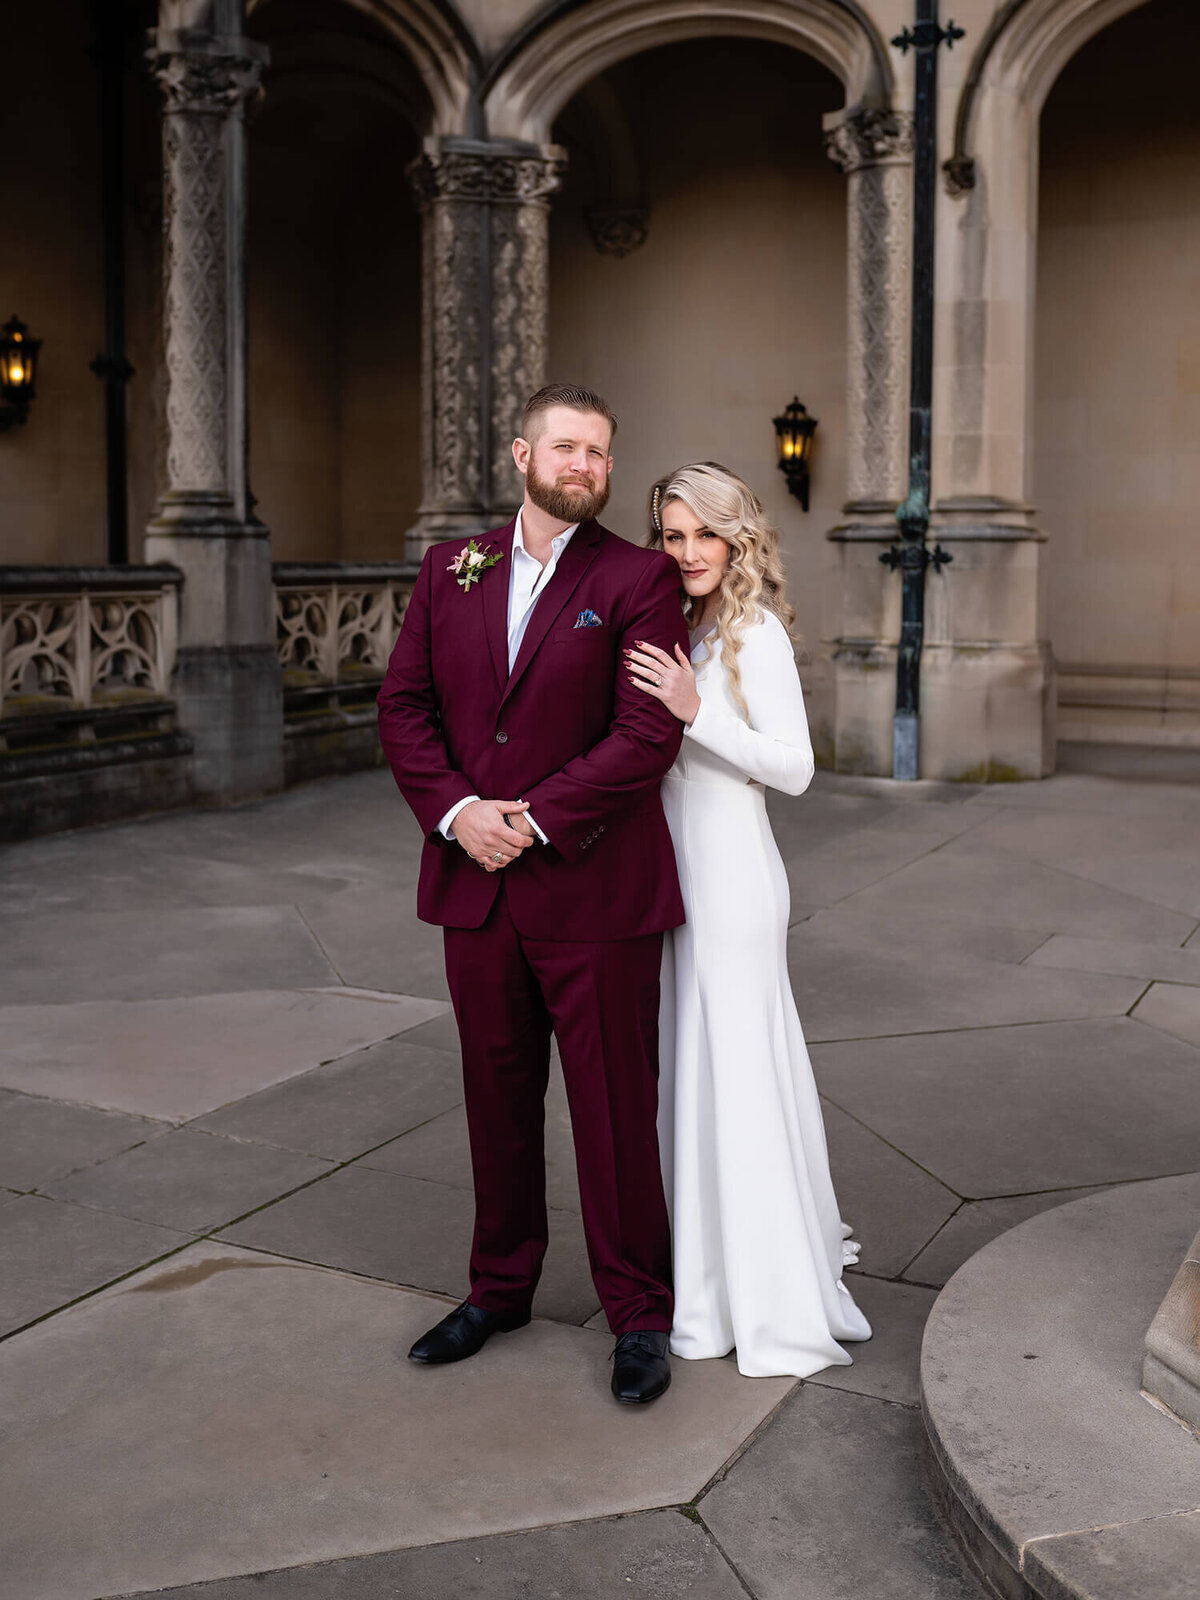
x: 577, y: 504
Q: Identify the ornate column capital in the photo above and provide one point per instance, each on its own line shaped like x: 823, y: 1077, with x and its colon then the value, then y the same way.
x: 205, y: 75
x: 487, y: 173
x: 869, y: 139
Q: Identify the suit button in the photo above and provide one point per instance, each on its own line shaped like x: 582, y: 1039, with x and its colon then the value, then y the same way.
x: 501, y: 738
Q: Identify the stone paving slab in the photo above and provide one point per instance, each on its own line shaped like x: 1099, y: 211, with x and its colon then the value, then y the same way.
x: 51, y: 1252
x: 230, y: 1413
x: 977, y: 1223
x: 44, y: 1139
x: 830, y: 1502
x: 373, y: 938
x: 176, y: 1059
x: 1024, y: 894
x: 348, y: 1106
x: 888, y: 1365
x: 1079, y: 792
x: 1003, y: 1111
x: 654, y: 1555
x: 189, y: 1180
x: 1031, y: 1364
x: 912, y: 991
x: 1122, y: 956
x: 1159, y: 1558
x: 150, y: 955
x: 894, y: 930
x: 893, y: 1206
x: 410, y: 1231
x: 1174, y: 1009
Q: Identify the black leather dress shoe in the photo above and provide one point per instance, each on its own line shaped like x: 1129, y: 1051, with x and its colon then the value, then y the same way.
x: 641, y: 1371
x: 464, y: 1332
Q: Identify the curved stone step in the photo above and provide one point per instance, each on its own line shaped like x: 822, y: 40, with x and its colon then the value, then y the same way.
x: 1061, y: 1478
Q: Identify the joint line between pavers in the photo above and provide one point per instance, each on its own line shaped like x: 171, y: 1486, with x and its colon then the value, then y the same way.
x: 732, y: 1460
x: 693, y: 1514
x: 983, y: 1027
x: 316, y: 939
x: 894, y: 1147
x: 1105, y: 1527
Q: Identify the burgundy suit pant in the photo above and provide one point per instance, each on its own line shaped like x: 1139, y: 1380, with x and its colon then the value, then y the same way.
x: 600, y: 1000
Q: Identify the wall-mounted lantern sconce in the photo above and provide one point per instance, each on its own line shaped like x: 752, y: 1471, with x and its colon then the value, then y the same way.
x: 18, y: 372
x: 794, y: 432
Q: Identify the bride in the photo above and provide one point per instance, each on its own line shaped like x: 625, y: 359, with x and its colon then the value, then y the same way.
x: 759, y: 1243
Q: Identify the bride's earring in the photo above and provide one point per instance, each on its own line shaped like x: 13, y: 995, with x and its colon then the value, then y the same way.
x: 655, y: 500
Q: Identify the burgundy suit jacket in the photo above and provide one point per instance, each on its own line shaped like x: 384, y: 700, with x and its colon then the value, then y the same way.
x: 566, y: 731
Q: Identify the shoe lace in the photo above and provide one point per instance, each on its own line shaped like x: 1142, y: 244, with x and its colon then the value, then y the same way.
x: 645, y: 1341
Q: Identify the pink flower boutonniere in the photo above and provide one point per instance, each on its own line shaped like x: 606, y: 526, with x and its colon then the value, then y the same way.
x: 471, y: 563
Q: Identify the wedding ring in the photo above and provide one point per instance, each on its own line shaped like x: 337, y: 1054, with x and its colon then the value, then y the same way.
x: 658, y: 680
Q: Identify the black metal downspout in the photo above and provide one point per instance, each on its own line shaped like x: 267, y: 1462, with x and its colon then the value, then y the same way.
x: 912, y: 555
x: 112, y: 366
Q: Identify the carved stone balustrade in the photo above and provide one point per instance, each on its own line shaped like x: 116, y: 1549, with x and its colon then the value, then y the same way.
x: 80, y: 646
x: 335, y: 625
x: 88, y: 715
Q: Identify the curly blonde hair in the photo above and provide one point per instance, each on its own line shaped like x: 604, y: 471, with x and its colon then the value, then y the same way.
x: 754, y: 581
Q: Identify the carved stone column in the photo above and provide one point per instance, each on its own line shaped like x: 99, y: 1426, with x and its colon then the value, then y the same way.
x: 228, y: 680
x: 485, y: 210
x: 853, y: 703
x: 522, y: 186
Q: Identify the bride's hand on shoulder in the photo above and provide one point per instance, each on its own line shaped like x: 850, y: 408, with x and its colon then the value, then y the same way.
x: 668, y: 679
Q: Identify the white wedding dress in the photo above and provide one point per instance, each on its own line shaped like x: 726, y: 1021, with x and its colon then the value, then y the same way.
x: 759, y: 1243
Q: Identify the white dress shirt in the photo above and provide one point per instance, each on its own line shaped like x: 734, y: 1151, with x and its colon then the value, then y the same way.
x: 527, y: 578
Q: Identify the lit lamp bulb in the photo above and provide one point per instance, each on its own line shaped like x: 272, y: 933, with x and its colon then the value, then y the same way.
x: 18, y: 368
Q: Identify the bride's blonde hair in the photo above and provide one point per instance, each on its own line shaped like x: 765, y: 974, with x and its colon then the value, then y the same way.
x: 754, y: 580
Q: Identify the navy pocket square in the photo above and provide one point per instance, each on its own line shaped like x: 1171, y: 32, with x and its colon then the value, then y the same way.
x: 588, y: 619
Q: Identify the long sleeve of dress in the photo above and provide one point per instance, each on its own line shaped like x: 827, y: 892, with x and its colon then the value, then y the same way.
x: 774, y: 747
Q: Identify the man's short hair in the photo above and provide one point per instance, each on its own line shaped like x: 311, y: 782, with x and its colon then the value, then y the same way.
x: 565, y: 394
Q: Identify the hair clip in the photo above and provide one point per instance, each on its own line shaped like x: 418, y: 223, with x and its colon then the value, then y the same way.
x: 655, y: 499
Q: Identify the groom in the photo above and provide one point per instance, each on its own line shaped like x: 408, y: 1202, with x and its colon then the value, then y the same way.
x: 533, y: 764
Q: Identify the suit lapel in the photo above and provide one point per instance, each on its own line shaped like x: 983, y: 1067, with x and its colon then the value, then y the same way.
x: 573, y: 563
x: 495, y: 585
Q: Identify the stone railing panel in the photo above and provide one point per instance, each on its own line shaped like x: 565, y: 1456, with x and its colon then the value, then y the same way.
x: 85, y: 639
x: 336, y: 624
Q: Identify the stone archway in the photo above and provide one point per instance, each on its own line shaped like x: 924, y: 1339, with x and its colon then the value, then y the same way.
x: 555, y: 55
x: 334, y: 268
x: 551, y: 59
x: 432, y: 36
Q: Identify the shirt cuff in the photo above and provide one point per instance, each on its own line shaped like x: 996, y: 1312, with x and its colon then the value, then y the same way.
x: 446, y: 825
x: 536, y: 829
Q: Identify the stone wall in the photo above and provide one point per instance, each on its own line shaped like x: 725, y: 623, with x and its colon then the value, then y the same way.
x: 736, y: 300
x: 1117, y: 423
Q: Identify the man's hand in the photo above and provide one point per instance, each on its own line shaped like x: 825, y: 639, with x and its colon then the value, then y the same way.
x: 521, y: 824
x: 483, y: 833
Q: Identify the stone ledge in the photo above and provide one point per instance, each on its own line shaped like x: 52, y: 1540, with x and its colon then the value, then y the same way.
x: 1062, y: 1482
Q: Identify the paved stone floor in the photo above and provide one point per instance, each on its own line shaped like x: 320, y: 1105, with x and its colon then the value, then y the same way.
x: 234, y: 1185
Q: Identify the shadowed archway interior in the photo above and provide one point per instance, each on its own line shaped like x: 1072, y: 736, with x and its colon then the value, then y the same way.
x: 736, y: 299
x: 1117, y: 470
x: 335, y: 294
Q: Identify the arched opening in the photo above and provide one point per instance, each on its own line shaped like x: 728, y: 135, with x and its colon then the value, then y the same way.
x: 735, y: 301
x: 54, y: 484
x: 334, y: 268
x: 1117, y: 380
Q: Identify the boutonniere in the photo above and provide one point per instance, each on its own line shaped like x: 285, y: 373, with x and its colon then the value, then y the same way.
x: 471, y: 563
